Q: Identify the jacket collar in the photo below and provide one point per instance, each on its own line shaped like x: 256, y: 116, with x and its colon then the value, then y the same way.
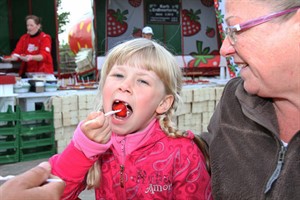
x: 129, y: 143
x: 260, y: 110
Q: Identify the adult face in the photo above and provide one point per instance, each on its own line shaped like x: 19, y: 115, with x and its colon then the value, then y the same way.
x: 141, y: 90
x: 148, y: 36
x: 266, y: 53
x: 32, y: 27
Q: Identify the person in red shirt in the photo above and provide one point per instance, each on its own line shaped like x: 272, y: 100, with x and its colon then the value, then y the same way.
x: 33, y: 49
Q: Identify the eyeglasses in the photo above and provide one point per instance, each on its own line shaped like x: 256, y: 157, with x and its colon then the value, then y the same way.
x: 231, y: 31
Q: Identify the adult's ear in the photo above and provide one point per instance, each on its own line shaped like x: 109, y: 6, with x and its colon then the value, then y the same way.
x: 165, y: 104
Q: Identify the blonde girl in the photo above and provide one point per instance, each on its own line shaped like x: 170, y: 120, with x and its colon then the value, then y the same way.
x: 137, y: 153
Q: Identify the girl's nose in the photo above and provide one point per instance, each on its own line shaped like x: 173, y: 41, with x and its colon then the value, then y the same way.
x: 227, y: 49
x: 126, y: 86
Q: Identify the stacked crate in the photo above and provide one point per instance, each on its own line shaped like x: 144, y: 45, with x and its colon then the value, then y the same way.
x: 9, y: 136
x: 36, y: 134
x: 197, y: 108
x: 68, y: 112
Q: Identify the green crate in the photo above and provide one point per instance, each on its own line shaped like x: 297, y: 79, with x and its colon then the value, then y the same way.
x: 33, y: 129
x: 9, y: 115
x: 9, y: 130
x: 37, y: 140
x: 9, y: 137
x: 35, y: 153
x: 36, y: 115
x: 26, y: 135
x: 9, y: 141
x: 9, y: 156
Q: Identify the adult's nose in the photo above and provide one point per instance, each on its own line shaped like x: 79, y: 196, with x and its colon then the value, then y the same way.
x: 227, y: 48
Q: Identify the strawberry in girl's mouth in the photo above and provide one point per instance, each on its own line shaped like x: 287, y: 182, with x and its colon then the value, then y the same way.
x: 125, y: 108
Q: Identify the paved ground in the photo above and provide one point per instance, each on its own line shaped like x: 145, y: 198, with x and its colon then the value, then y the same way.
x: 20, y: 167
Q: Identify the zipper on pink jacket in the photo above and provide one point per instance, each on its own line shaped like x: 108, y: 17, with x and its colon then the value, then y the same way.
x: 122, y: 166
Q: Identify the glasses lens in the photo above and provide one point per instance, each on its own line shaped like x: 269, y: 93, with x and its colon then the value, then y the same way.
x: 230, y: 34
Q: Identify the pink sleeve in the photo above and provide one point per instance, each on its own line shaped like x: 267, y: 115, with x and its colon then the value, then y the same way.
x: 71, y: 166
x: 90, y: 148
x: 74, y: 162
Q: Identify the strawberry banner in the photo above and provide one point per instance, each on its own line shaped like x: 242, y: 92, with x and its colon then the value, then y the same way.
x: 195, y: 38
x: 220, y: 13
x: 124, y: 21
x: 199, y: 34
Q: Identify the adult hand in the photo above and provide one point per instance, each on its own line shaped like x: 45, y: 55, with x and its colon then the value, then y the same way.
x: 26, y: 58
x: 32, y: 185
x: 96, y: 127
x: 9, y: 58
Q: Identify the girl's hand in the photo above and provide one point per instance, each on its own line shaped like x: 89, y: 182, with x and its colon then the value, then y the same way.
x: 96, y: 127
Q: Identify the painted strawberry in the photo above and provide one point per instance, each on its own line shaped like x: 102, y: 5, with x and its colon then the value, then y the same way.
x: 116, y: 24
x: 190, y: 22
x: 202, y: 58
x: 120, y: 106
x: 135, y: 3
x: 208, y: 3
x: 137, y: 32
x: 210, y: 32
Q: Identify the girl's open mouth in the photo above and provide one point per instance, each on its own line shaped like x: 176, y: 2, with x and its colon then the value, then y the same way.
x: 125, y: 108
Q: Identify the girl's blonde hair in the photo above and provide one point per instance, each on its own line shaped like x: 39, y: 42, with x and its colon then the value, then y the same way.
x: 149, y: 55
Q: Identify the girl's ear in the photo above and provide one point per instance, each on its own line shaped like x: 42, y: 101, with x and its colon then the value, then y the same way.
x: 165, y: 104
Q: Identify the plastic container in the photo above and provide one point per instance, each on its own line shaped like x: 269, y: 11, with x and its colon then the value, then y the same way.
x: 39, y: 87
x: 21, y: 86
x: 51, y: 87
x: 21, y: 89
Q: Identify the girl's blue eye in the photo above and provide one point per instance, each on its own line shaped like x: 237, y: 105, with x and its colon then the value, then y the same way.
x: 143, y: 81
x: 118, y: 75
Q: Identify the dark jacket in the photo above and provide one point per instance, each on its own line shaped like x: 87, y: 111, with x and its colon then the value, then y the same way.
x: 245, y: 149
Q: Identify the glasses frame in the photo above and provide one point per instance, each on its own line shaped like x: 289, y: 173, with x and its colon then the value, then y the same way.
x: 230, y: 31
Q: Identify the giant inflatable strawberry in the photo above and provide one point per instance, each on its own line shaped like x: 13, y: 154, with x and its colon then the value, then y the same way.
x: 80, y: 35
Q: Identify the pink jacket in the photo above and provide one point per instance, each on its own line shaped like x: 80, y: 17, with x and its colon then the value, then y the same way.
x: 143, y: 165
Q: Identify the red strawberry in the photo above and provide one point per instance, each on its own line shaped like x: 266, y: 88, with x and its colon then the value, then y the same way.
x: 120, y: 106
x: 135, y: 3
x: 190, y: 22
x: 202, y: 58
x: 116, y: 24
x: 210, y: 32
x: 137, y: 32
x: 208, y: 3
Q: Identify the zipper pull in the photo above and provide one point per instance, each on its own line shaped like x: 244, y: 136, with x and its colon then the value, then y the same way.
x: 122, y: 167
x: 277, y: 171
